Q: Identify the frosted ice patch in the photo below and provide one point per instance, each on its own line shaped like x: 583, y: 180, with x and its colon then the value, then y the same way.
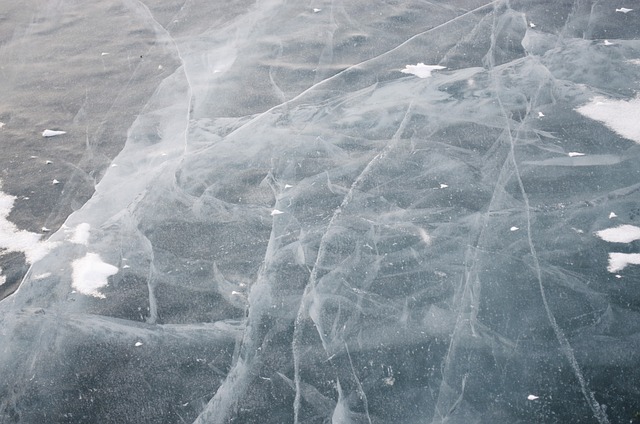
x: 276, y: 212
x: 14, y: 240
x: 533, y: 397
x: 574, y: 154
x: 612, y: 215
x: 81, y: 234
x: 619, y: 115
x: 623, y: 10
x: 90, y: 274
x: 622, y: 234
x: 619, y: 261
x: 52, y: 133
x: 421, y: 70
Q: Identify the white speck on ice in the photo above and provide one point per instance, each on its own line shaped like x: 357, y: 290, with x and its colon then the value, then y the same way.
x: 574, y: 154
x: 42, y: 276
x: 634, y: 61
x: 624, y: 10
x: 514, y: 229
x: 608, y: 43
x: 288, y: 186
x: 81, y: 234
x: 619, y: 115
x: 160, y: 67
x: 540, y: 115
x: 276, y: 212
x: 426, y: 238
x: 533, y: 397
x: 577, y: 230
x: 443, y: 186
x: 619, y: 261
x: 532, y: 25
x: 104, y: 53
x: 48, y: 162
x: 54, y: 182
x: 52, y: 133
x: 316, y: 10
x: 618, y: 276
x: 126, y: 266
x: 3, y: 279
x: 1, y: 124
x: 138, y: 344
x: 622, y: 234
x: 612, y: 215
x: 421, y: 70
x: 45, y: 229
x: 90, y: 274
x: 14, y: 240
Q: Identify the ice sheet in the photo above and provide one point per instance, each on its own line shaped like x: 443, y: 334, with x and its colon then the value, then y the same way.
x: 297, y: 232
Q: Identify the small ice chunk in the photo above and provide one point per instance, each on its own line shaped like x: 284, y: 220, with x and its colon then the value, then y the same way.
x: 532, y: 25
x: 276, y: 212
x: 1, y: 124
x: 540, y: 114
x: 624, y: 10
x: 48, y: 162
x: 514, y: 228
x: 612, y: 215
x: 619, y: 261
x: 288, y: 186
x: 42, y: 276
x: 90, y: 274
x: 574, y: 154
x: 621, y: 234
x: 81, y: 234
x: 126, y: 266
x: 421, y: 70
x: 52, y: 133
x: 533, y: 397
x: 316, y: 10
x: 443, y: 186
x: 160, y: 67
x: 54, y: 182
x: 608, y: 43
x: 104, y: 53
x: 45, y: 229
x: 138, y: 344
x: 618, y: 276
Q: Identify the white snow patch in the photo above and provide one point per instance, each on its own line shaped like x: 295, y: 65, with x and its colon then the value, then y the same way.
x: 514, y: 229
x: 622, y: 234
x: 138, y: 344
x: 618, y: 276
x: 634, y: 61
x: 619, y: 115
x: 1, y: 124
x: 288, y: 186
x: 612, y: 215
x: 42, y: 276
x: 316, y: 10
x: 533, y: 397
x: 426, y: 238
x: 574, y: 154
x: 81, y: 234
x: 540, y: 115
x: 443, y: 186
x: 54, y: 182
x: 104, y: 54
x: 619, y: 261
x: 608, y: 43
x: 3, y: 279
x: 276, y: 212
x: 421, y: 70
x: 532, y: 25
x: 90, y: 274
x: 624, y: 10
x: 14, y: 240
x: 52, y: 133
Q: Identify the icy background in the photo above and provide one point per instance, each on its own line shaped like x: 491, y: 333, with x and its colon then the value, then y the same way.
x: 311, y: 212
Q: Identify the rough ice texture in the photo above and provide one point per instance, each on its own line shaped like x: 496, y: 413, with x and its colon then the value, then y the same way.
x: 379, y: 295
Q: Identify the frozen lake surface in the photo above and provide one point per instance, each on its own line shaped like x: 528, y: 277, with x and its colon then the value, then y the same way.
x: 312, y: 212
